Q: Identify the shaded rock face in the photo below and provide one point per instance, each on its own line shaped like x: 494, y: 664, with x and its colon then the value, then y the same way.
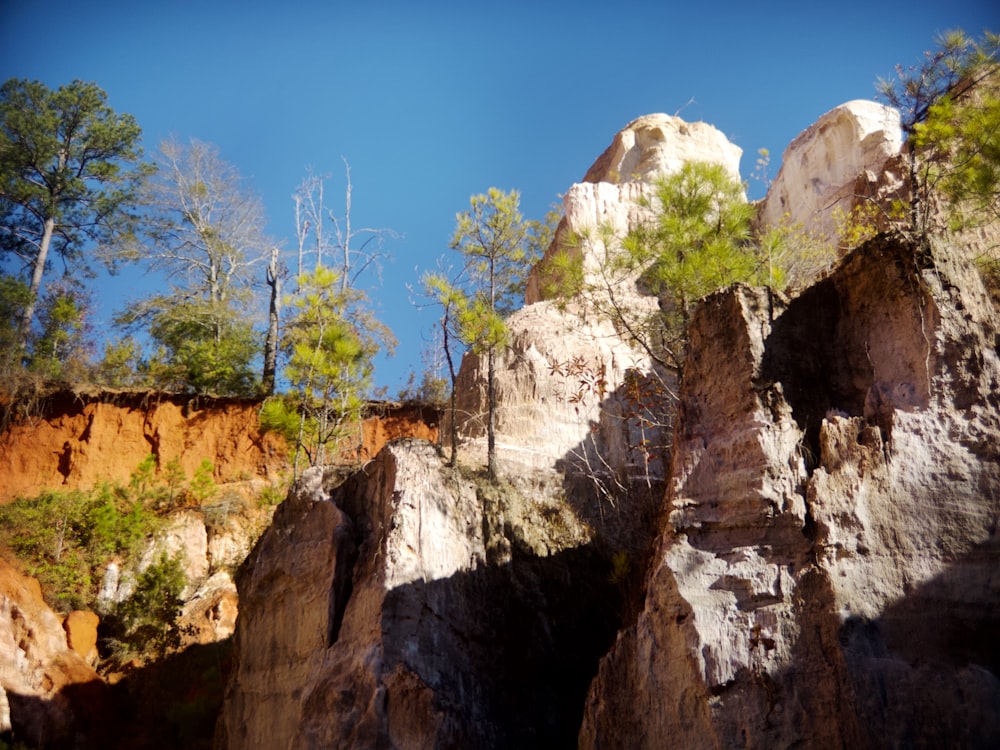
x: 409, y: 609
x: 827, y: 573
x: 50, y: 696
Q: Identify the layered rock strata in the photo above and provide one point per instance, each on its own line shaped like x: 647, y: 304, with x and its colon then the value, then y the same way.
x: 412, y: 608
x: 826, y: 576
x: 76, y: 440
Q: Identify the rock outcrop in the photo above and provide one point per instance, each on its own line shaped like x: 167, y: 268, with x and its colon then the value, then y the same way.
x: 411, y: 608
x: 826, y: 575
x: 564, y: 398
x: 849, y: 157
x: 566, y: 384
x: 655, y: 145
x: 611, y: 191
x: 50, y: 696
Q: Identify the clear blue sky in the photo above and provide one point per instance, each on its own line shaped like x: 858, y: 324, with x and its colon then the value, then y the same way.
x: 434, y: 101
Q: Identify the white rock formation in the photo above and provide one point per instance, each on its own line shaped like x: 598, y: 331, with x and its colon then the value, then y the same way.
x: 49, y: 695
x: 654, y: 145
x: 185, y: 535
x: 647, y: 148
x: 553, y: 412
x: 564, y: 383
x: 838, y: 162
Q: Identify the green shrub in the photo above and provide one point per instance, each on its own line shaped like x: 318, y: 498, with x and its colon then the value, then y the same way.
x: 146, y: 622
x: 279, y: 416
x: 65, y: 538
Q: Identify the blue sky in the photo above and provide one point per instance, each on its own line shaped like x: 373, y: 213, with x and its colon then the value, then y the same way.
x: 431, y: 102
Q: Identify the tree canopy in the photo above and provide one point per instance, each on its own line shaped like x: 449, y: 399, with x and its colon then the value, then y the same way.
x: 947, y: 105
x: 69, y: 172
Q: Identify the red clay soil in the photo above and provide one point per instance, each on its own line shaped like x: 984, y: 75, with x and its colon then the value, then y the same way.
x: 74, y: 440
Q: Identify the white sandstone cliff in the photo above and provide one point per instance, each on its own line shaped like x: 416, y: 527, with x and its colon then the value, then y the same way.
x: 826, y: 574
x: 849, y: 157
x: 566, y: 383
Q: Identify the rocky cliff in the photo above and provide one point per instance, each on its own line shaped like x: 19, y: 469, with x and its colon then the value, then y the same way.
x: 567, y: 382
x: 75, y: 440
x: 827, y: 573
x: 823, y: 573
x: 848, y: 158
x: 50, y: 695
x: 813, y: 563
x: 414, y: 607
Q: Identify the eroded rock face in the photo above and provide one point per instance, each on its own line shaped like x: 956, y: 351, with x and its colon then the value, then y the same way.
x: 827, y: 572
x: 563, y: 395
x: 50, y: 696
x: 408, y: 609
x: 848, y: 157
x: 78, y: 440
x: 611, y: 192
x: 654, y: 145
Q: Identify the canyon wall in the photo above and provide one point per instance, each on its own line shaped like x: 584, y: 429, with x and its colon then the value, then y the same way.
x: 826, y: 574
x: 825, y: 571
x: 414, y: 606
x: 821, y: 570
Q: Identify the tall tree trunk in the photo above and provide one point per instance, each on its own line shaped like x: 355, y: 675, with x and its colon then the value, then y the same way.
x: 454, y: 394
x: 491, y: 397
x: 271, y: 342
x: 34, y: 291
x: 491, y: 386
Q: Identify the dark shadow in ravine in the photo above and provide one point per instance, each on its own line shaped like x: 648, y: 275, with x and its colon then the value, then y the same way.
x: 509, y: 650
x: 927, y: 671
x: 621, y: 500
x: 172, y: 704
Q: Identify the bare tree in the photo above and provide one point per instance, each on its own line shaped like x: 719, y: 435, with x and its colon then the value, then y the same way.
x: 274, y: 276
x: 205, y: 233
x: 311, y: 213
